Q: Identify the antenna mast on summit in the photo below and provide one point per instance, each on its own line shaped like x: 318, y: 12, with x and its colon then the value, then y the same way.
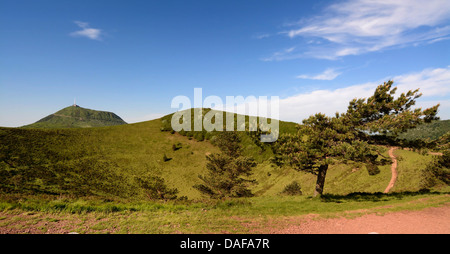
x: 74, y: 102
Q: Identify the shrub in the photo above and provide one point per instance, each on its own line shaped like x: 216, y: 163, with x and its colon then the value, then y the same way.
x: 437, y: 171
x: 372, y: 169
x: 198, y: 135
x: 165, y: 158
x: 292, y: 189
x: 177, y: 146
x: 155, y: 188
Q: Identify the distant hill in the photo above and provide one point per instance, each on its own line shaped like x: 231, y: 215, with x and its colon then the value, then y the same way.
x: 77, y: 117
x: 432, y: 130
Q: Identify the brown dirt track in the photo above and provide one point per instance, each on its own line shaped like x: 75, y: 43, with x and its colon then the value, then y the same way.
x: 434, y: 220
x: 393, y: 170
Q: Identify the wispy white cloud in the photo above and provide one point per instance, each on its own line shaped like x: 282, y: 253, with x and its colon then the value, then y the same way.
x: 281, y: 55
x: 300, y: 106
x: 261, y: 35
x: 328, y: 74
x: 434, y: 84
x: 356, y: 27
x: 86, y: 31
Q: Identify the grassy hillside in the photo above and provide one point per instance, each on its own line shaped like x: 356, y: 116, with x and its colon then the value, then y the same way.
x: 432, y: 130
x: 96, y: 161
x: 108, y: 161
x: 77, y: 117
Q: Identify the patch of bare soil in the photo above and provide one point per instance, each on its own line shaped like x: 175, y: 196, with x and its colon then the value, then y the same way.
x: 393, y: 170
x: 434, y: 220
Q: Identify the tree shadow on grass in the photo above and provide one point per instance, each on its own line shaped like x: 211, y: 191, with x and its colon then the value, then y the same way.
x: 375, y: 197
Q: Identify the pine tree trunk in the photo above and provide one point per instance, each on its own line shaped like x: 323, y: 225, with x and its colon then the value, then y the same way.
x: 320, y: 180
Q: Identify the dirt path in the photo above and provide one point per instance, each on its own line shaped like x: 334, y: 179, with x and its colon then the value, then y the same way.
x: 434, y: 220
x: 393, y: 170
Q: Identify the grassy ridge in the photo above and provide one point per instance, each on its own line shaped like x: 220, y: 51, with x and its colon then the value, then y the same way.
x: 105, y: 162
x: 97, y: 161
x: 432, y: 130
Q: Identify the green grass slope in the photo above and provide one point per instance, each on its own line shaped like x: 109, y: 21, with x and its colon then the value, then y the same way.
x: 107, y: 161
x: 77, y: 117
x: 97, y: 161
x: 432, y: 130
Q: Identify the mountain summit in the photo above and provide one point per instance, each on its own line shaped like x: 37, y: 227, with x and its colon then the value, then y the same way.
x: 77, y: 117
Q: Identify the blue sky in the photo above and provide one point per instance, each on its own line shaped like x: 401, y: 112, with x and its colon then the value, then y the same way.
x: 133, y: 57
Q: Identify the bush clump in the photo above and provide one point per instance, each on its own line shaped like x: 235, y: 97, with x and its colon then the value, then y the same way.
x: 438, y: 171
x: 165, y: 158
x: 177, y: 146
x: 155, y: 188
x: 372, y: 169
x: 292, y: 189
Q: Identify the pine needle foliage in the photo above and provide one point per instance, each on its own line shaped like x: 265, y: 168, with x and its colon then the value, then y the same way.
x: 228, y: 171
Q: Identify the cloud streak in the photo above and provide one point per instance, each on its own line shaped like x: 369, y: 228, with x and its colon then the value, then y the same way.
x: 281, y: 55
x: 328, y: 74
x: 355, y: 27
x: 86, y: 31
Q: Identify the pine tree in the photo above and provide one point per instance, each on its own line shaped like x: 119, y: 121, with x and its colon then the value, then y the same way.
x: 353, y: 135
x: 228, y: 171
